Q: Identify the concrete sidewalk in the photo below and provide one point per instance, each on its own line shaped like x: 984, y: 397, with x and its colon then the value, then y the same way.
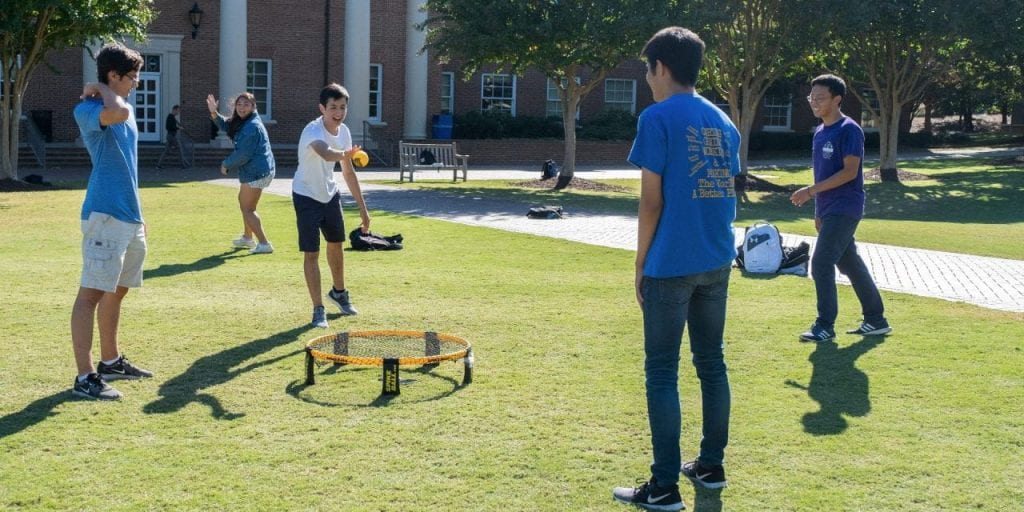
x: 988, y: 282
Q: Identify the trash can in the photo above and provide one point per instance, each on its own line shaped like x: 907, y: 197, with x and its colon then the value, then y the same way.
x: 44, y: 121
x: 442, y: 126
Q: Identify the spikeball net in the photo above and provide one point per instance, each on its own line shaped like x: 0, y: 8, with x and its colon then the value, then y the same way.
x: 390, y: 350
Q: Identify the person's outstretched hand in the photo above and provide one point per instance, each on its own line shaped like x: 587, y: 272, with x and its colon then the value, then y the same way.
x: 211, y: 104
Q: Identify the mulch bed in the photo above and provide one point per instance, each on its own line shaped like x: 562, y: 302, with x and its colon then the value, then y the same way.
x: 576, y: 183
x: 9, y: 185
x: 876, y: 175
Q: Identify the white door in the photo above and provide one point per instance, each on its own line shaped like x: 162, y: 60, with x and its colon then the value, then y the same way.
x: 147, y: 107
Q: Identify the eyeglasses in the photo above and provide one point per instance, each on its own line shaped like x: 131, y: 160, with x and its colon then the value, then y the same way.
x: 819, y: 99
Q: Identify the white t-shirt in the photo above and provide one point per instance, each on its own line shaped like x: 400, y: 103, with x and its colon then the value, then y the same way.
x: 315, y: 176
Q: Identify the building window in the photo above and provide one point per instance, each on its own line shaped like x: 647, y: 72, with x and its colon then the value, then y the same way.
x: 620, y: 94
x: 554, y: 101
x: 868, y: 120
x: 376, y: 78
x: 777, y: 112
x: 498, y: 93
x: 447, y: 92
x: 257, y: 82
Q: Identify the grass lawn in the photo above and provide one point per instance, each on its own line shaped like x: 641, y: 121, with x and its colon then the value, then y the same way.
x: 968, y: 206
x: 927, y: 419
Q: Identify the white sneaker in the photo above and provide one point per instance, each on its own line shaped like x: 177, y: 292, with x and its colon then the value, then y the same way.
x: 262, y: 249
x: 244, y: 243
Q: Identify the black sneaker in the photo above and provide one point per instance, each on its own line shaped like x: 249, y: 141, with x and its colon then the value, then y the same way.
x: 818, y: 334
x: 94, y: 388
x: 121, y: 369
x: 650, y: 496
x: 341, y: 300
x: 710, y: 477
x: 872, y: 329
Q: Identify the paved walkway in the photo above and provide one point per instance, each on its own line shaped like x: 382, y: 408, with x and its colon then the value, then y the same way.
x: 988, y: 282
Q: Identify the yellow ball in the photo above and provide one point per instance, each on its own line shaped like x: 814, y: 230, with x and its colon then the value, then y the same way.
x: 360, y: 158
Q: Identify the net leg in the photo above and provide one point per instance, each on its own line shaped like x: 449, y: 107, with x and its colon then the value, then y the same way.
x: 390, y: 378
x: 310, y: 379
x: 467, y: 374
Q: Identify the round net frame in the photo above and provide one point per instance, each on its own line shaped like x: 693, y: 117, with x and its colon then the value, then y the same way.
x: 389, y: 349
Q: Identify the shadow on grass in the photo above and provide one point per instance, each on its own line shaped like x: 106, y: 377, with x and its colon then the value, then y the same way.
x: 214, y: 369
x: 483, y: 201
x: 33, y: 413
x: 206, y: 263
x: 707, y: 500
x: 838, y: 386
x: 981, y: 197
x: 295, y: 388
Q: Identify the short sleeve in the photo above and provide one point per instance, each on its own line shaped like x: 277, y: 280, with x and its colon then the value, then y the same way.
x: 649, y: 146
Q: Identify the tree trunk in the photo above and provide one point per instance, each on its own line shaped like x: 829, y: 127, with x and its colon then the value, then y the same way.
x: 10, y: 117
x: 568, y: 169
x: 888, y: 142
x: 928, y: 117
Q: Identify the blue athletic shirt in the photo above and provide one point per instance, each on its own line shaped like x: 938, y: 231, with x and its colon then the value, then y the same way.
x: 831, y: 144
x: 114, y: 182
x: 694, y: 147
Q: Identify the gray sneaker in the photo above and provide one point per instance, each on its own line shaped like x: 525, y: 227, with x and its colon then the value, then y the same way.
x: 341, y: 300
x: 121, y: 369
x: 319, y: 317
x: 94, y: 388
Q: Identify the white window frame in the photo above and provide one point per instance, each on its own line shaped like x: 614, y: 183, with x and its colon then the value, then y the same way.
x: 553, y: 107
x: 483, y: 86
x: 772, y: 106
x: 376, y: 73
x: 868, y: 121
x: 616, y: 103
x: 267, y: 112
x: 448, y: 93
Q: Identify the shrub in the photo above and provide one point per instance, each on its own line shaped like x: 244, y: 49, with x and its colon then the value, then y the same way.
x: 496, y: 125
x: 609, y: 124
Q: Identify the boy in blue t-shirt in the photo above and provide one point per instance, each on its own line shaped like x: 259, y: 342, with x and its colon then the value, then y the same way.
x: 113, y: 232
x: 688, y: 151
x: 838, y: 192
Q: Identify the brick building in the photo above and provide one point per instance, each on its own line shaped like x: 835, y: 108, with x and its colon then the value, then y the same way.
x: 284, y: 51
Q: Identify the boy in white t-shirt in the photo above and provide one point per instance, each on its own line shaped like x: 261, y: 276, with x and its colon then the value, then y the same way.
x: 325, y: 141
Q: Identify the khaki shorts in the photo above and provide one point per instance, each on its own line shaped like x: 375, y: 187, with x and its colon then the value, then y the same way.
x: 112, y: 253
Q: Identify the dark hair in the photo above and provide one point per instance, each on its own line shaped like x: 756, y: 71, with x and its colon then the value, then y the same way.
x: 836, y: 86
x: 116, y: 58
x: 332, y: 92
x: 176, y: 106
x: 235, y: 123
x: 678, y: 49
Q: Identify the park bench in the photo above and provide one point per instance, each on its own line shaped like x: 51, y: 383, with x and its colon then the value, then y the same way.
x: 439, y: 156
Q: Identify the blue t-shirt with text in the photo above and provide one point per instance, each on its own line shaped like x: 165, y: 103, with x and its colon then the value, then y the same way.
x: 694, y: 147
x: 114, y: 182
x: 831, y: 145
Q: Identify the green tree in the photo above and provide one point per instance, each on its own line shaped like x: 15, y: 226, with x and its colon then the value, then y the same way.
x: 750, y: 45
x: 29, y: 29
x: 897, y: 48
x: 561, y: 39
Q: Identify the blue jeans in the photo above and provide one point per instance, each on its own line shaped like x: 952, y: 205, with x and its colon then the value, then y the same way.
x: 836, y: 248
x: 698, y: 300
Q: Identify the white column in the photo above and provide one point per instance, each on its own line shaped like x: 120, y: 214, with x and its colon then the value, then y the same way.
x: 233, y: 56
x: 415, y: 74
x: 357, y: 65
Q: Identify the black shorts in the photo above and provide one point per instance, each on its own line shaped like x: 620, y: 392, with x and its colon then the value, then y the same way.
x: 313, y: 217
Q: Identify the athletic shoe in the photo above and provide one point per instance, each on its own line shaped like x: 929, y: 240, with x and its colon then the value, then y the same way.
x: 93, y: 387
x: 818, y: 334
x: 875, y: 329
x: 244, y: 243
x: 319, y: 317
x: 341, y: 300
x: 709, y: 477
x: 266, y: 248
x: 121, y: 369
x: 650, y: 496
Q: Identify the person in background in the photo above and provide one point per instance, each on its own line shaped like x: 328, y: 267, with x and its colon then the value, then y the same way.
x: 173, y: 126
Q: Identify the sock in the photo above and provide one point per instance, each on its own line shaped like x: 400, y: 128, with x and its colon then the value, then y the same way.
x: 112, y: 361
x: 337, y: 291
x: 81, y: 378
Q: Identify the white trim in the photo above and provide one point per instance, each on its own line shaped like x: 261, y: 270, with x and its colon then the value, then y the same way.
x: 451, y: 92
x: 483, y: 78
x: 379, y: 68
x: 267, y: 113
x: 632, y: 100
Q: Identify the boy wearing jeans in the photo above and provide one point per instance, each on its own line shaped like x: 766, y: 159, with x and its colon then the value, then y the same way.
x: 688, y: 152
x: 113, y: 232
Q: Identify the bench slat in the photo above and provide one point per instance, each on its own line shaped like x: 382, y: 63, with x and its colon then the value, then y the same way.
x: 446, y: 158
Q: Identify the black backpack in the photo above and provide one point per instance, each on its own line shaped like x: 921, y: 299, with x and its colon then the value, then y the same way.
x: 427, y: 157
x: 548, y: 170
x: 373, y: 242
